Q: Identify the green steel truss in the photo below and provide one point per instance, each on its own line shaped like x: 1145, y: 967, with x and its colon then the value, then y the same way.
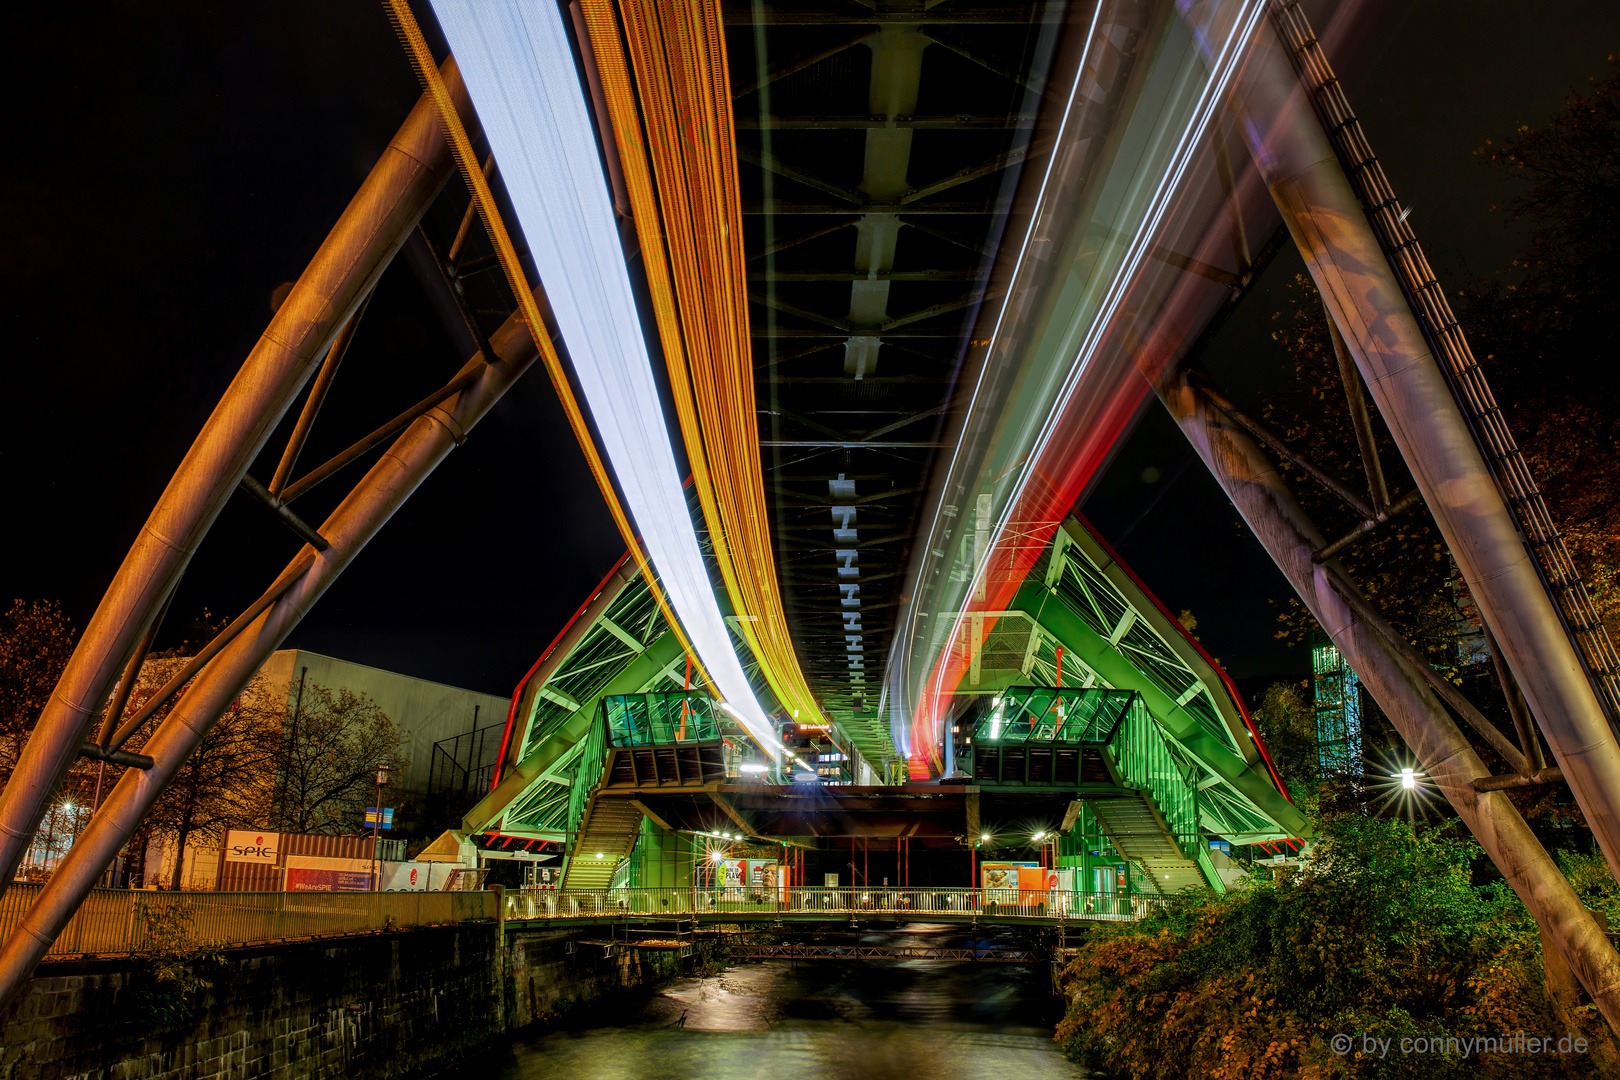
x: 1113, y: 635
x: 1105, y: 746
x: 1181, y: 764
x: 624, y: 647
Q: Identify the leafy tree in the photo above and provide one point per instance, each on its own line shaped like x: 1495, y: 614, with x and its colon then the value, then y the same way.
x: 1543, y: 331
x: 227, y: 781
x: 1287, y: 725
x: 172, y: 969
x: 1380, y: 933
x: 1544, y: 327
x: 36, y: 640
x: 1403, y: 566
x: 328, y: 760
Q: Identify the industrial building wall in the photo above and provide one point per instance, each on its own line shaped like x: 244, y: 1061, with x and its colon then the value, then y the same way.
x: 424, y: 711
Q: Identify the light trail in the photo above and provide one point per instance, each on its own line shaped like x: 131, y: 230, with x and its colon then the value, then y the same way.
x: 666, y: 87
x: 519, y: 68
x: 946, y: 672
x: 900, y: 650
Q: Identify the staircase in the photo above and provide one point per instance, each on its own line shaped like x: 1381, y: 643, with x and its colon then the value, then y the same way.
x: 608, y: 828
x: 1139, y: 833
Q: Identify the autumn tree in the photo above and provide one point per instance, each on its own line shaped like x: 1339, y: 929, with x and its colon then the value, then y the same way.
x: 227, y: 781
x: 1381, y: 932
x: 1544, y: 328
x: 1403, y: 567
x: 1287, y: 726
x: 36, y: 640
x: 327, y: 762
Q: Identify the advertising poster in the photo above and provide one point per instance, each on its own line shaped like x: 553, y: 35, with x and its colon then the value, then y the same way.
x: 312, y: 879
x: 1001, y: 881
x: 1032, y: 879
x: 309, y: 873
x: 409, y: 876
x: 733, y: 870
x: 251, y: 847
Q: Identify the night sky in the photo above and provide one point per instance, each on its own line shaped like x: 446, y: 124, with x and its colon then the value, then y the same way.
x: 168, y: 172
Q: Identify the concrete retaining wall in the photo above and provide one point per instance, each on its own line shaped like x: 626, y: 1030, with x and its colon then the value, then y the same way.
x: 408, y: 1004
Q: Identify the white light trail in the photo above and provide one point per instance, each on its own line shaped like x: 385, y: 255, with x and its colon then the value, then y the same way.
x: 1223, y: 69
x: 519, y: 69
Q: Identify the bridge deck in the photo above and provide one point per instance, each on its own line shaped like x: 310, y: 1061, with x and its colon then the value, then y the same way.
x: 808, y: 906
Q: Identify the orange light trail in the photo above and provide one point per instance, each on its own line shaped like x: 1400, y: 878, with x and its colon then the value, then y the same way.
x: 664, y: 77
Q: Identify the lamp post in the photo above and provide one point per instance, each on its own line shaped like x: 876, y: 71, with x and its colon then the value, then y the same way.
x: 376, y: 826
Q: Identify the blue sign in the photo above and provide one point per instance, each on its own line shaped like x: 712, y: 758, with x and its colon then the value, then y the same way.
x: 387, y: 817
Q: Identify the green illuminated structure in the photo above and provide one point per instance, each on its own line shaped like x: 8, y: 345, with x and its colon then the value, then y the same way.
x: 1145, y: 752
x: 1337, y: 696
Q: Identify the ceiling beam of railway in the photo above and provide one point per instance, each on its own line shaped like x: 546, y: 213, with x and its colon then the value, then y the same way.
x: 874, y: 164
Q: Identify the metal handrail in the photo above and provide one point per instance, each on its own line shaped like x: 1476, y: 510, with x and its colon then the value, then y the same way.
x: 117, y: 920
x: 716, y: 903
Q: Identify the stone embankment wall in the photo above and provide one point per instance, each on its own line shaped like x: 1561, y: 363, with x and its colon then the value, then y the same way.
x: 551, y: 974
x: 404, y: 1005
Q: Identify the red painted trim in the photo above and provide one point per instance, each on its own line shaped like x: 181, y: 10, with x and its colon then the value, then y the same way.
x: 1231, y: 688
x: 511, y: 712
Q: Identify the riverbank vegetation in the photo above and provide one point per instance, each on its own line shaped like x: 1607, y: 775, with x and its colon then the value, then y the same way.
x: 1380, y: 934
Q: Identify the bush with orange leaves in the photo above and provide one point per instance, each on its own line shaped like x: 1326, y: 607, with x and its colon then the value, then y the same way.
x: 1381, y: 934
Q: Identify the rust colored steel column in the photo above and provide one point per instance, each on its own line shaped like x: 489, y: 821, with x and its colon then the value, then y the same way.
x: 1289, y: 536
x: 405, y: 180
x: 1367, y: 303
x: 387, y: 485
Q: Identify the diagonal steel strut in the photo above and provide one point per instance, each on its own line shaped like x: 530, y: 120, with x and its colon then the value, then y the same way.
x: 405, y: 180
x: 386, y: 486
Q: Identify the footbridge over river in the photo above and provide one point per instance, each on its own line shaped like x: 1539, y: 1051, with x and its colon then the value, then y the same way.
x: 1094, y: 735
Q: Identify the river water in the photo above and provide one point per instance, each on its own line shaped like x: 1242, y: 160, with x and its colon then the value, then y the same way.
x: 887, y: 1020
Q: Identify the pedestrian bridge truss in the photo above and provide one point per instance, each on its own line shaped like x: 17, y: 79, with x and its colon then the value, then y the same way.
x: 783, y: 904
x: 1133, y: 721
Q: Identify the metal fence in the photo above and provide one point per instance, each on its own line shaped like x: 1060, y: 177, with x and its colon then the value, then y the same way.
x: 123, y: 920
x: 714, y: 904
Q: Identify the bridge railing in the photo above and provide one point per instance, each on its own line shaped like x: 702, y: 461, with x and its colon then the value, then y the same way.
x: 715, y: 903
x: 123, y: 920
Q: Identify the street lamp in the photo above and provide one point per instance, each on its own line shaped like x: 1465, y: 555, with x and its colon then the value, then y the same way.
x: 376, y: 826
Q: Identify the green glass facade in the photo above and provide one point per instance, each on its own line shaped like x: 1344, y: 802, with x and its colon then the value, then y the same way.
x: 1337, y: 695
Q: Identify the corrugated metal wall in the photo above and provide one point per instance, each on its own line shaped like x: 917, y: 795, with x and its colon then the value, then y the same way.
x: 265, y: 876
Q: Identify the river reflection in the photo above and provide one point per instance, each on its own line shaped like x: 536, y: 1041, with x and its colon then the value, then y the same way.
x: 832, y: 1021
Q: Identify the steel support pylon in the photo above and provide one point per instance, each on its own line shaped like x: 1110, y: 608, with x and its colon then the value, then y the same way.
x: 407, y: 178
x: 1369, y: 308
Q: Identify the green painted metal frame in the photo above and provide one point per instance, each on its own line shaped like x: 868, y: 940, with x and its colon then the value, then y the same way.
x: 1115, y: 636
x: 1140, y: 756
x: 655, y: 719
x: 561, y: 745
x: 1082, y: 599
